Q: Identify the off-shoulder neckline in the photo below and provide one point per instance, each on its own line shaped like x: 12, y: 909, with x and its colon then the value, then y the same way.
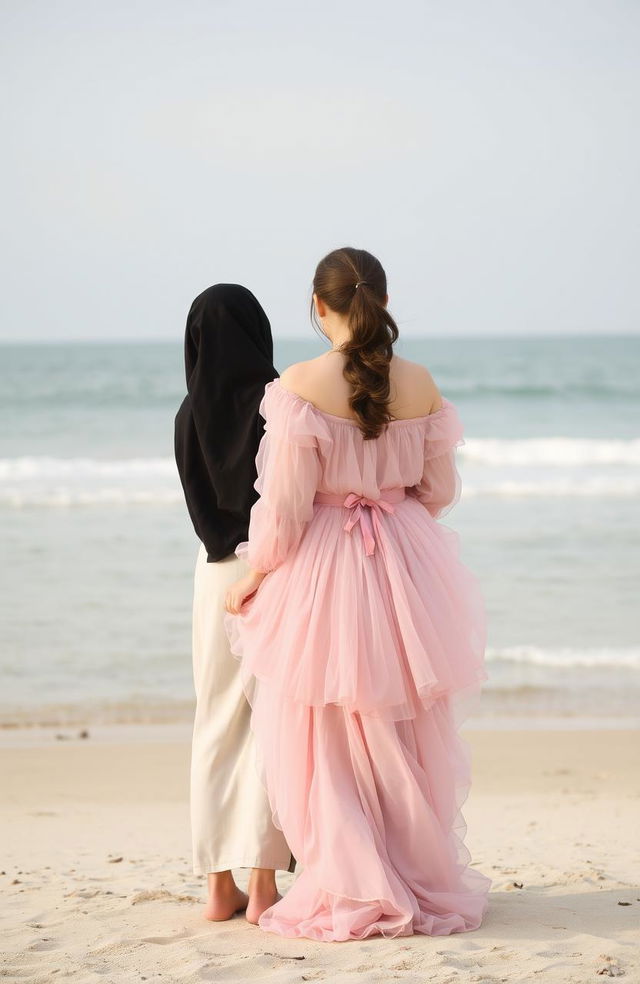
x: 349, y: 420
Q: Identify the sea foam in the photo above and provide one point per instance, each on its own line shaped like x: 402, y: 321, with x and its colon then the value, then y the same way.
x: 551, y: 451
x: 537, y: 467
x: 565, y: 658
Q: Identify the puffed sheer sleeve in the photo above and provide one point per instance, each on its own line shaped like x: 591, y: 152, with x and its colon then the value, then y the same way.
x: 440, y: 486
x: 288, y: 465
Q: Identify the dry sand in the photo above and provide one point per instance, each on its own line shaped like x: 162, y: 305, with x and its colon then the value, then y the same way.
x: 97, y: 883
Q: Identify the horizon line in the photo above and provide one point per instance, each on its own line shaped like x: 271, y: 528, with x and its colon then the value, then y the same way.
x: 162, y: 340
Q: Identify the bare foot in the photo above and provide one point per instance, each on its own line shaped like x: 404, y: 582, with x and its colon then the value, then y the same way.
x: 225, y: 898
x: 262, y: 893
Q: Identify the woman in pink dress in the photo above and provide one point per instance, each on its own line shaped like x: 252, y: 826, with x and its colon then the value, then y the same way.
x: 360, y: 632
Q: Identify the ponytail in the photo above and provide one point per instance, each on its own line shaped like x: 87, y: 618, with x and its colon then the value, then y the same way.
x: 352, y: 282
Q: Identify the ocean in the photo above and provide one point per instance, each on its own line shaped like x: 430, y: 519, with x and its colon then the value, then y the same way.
x: 98, y: 551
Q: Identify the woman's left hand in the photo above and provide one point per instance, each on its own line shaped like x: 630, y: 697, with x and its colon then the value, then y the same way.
x: 238, y: 593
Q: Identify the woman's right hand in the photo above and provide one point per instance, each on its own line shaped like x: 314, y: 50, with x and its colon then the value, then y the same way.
x: 238, y: 593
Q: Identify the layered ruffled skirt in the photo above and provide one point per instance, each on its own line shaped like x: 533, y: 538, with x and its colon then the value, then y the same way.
x: 360, y: 670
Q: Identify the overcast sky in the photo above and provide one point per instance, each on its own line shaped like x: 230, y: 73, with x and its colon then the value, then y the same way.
x: 487, y: 151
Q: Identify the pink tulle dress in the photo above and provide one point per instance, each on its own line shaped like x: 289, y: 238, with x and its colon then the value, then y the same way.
x: 361, y: 654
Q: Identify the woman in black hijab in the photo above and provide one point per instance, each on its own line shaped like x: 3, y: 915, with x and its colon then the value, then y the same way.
x: 228, y: 362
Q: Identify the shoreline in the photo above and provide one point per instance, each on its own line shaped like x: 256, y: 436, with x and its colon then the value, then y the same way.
x: 54, y: 770
x: 20, y: 735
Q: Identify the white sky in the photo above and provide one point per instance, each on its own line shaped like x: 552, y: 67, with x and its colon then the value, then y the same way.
x: 488, y: 151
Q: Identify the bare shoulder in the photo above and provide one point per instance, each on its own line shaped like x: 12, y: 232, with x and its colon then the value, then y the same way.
x: 413, y: 389
x: 302, y: 377
x: 321, y: 382
x: 293, y: 376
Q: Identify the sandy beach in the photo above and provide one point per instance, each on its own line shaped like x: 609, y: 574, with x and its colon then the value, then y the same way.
x: 97, y: 882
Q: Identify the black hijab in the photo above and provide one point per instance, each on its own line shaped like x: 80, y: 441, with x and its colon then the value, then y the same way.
x: 228, y: 355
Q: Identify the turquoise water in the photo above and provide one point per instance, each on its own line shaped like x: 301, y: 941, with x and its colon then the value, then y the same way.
x: 98, y: 552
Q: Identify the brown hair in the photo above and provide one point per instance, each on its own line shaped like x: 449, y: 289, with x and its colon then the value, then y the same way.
x: 352, y: 282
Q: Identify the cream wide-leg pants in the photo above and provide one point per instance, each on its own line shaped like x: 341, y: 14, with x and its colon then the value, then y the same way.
x: 231, y: 820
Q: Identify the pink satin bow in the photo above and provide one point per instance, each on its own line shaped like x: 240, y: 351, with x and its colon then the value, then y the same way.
x: 367, y: 512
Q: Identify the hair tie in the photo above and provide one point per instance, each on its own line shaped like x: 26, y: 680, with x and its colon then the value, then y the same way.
x: 360, y: 282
